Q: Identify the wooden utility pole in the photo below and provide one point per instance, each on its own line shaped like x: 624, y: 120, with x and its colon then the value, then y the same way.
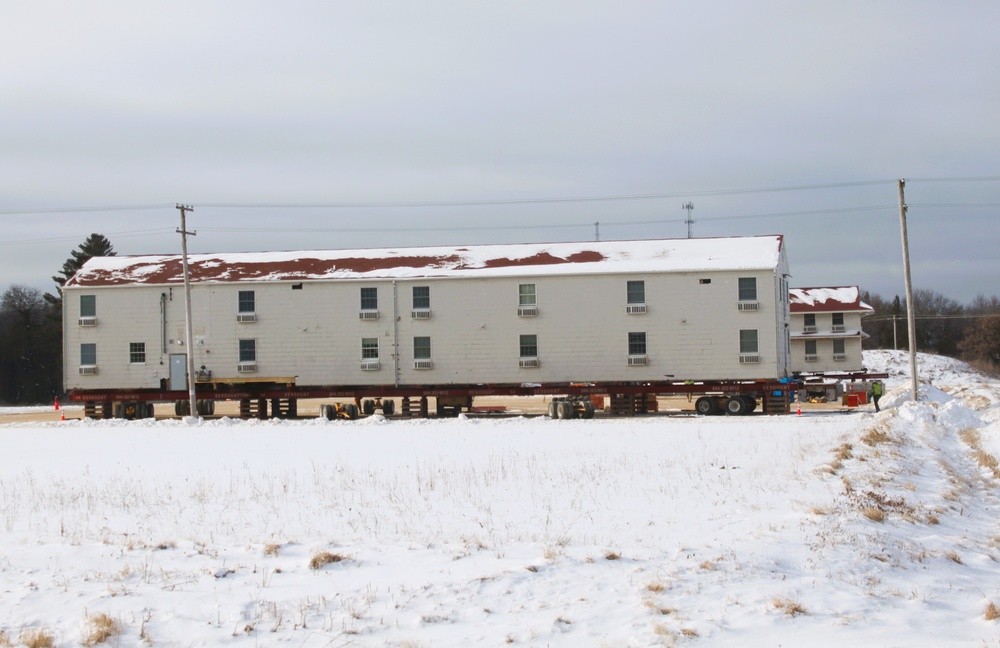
x: 189, y: 332
x: 911, y: 321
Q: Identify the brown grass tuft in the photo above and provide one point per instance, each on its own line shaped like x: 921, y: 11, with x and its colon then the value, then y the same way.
x: 36, y: 638
x: 876, y: 435
x: 611, y: 555
x: 954, y: 557
x: 655, y: 587
x: 324, y: 558
x: 873, y: 514
x: 788, y: 606
x: 992, y: 612
x: 689, y: 632
x: 272, y: 549
x: 101, y: 628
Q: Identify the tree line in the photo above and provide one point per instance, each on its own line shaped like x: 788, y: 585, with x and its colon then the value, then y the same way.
x: 31, y: 332
x: 31, y: 329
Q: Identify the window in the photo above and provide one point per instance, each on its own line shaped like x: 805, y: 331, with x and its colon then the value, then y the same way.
x: 704, y: 281
x: 637, y: 344
x: 810, y: 347
x: 748, y: 340
x: 421, y: 348
x: 748, y: 288
x: 88, y: 305
x: 369, y: 348
x: 88, y: 354
x: 636, y: 292
x: 247, y: 302
x: 137, y: 353
x: 526, y: 295
x: 421, y: 297
x: 809, y: 319
x: 529, y: 346
x: 248, y: 350
x: 839, y: 347
x: 369, y: 299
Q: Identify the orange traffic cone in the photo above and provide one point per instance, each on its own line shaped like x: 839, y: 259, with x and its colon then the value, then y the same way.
x: 798, y: 410
x: 57, y: 403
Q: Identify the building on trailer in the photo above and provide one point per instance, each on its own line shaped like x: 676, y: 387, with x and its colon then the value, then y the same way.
x: 647, y: 310
x: 826, y: 329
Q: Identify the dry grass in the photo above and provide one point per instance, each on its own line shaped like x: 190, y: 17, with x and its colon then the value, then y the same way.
x: 324, y: 558
x: 656, y: 587
x: 689, y: 632
x: 272, y: 549
x: 36, y: 638
x: 879, y: 433
x: 984, y: 459
x: 992, y: 612
x: 954, y: 557
x: 101, y: 627
x: 873, y: 514
x: 611, y: 555
x: 788, y: 606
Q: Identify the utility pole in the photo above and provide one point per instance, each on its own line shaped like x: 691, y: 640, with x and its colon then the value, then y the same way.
x: 911, y: 321
x: 688, y: 206
x: 187, y: 308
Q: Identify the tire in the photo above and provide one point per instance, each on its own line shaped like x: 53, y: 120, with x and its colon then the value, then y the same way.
x: 736, y: 406
x: 368, y: 406
x: 588, y: 409
x: 705, y: 406
x: 565, y: 410
x: 388, y: 407
x: 751, y: 403
x: 351, y: 410
x: 553, y: 410
x: 326, y: 412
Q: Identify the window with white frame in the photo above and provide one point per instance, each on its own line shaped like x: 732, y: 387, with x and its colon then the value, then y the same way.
x: 839, y: 349
x: 810, y: 347
x: 421, y: 297
x: 421, y: 348
x: 838, y: 321
x: 526, y: 295
x: 248, y: 350
x: 369, y: 348
x: 88, y: 354
x: 748, y: 289
x: 637, y: 343
x: 636, y: 292
x: 748, y: 341
x: 137, y: 353
x: 88, y: 305
x: 809, y: 320
x: 369, y: 299
x: 529, y: 346
x: 247, y: 302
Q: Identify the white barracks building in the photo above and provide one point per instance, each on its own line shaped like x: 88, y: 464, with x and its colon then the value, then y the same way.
x: 651, y: 310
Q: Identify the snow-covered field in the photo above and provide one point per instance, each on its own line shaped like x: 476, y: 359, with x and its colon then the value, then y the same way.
x: 823, y: 529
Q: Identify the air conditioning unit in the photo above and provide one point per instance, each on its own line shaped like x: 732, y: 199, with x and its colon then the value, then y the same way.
x: 808, y: 329
x: 246, y: 318
x: 88, y: 321
x: 839, y: 328
x: 528, y: 363
x: 527, y: 311
x: 246, y: 367
x: 812, y: 358
x: 840, y: 357
x: 636, y: 361
x: 420, y: 314
x: 636, y: 309
x: 749, y: 359
x: 370, y: 365
x: 88, y: 371
x: 423, y: 364
x: 747, y: 306
x: 368, y: 315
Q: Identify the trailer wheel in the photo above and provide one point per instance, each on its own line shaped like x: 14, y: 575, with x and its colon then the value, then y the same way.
x: 565, y: 410
x: 389, y: 407
x: 736, y: 406
x: 705, y: 406
x: 368, y: 406
x: 751, y: 403
x: 326, y: 412
x: 588, y: 409
x: 351, y: 410
x: 553, y: 409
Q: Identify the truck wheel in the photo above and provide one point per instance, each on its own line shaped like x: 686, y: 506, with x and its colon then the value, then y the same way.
x: 751, y: 403
x: 588, y: 409
x: 388, y: 407
x: 351, y: 410
x: 552, y: 410
x: 325, y: 413
x: 736, y: 406
x: 705, y: 406
x: 565, y: 410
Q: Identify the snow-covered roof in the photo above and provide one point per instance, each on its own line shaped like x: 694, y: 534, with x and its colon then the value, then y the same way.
x: 813, y: 300
x: 604, y: 257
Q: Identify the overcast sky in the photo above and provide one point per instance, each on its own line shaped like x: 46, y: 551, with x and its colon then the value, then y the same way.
x: 347, y: 124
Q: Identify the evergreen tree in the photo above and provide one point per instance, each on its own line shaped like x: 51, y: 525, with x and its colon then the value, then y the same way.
x: 30, y: 358
x: 96, y: 245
